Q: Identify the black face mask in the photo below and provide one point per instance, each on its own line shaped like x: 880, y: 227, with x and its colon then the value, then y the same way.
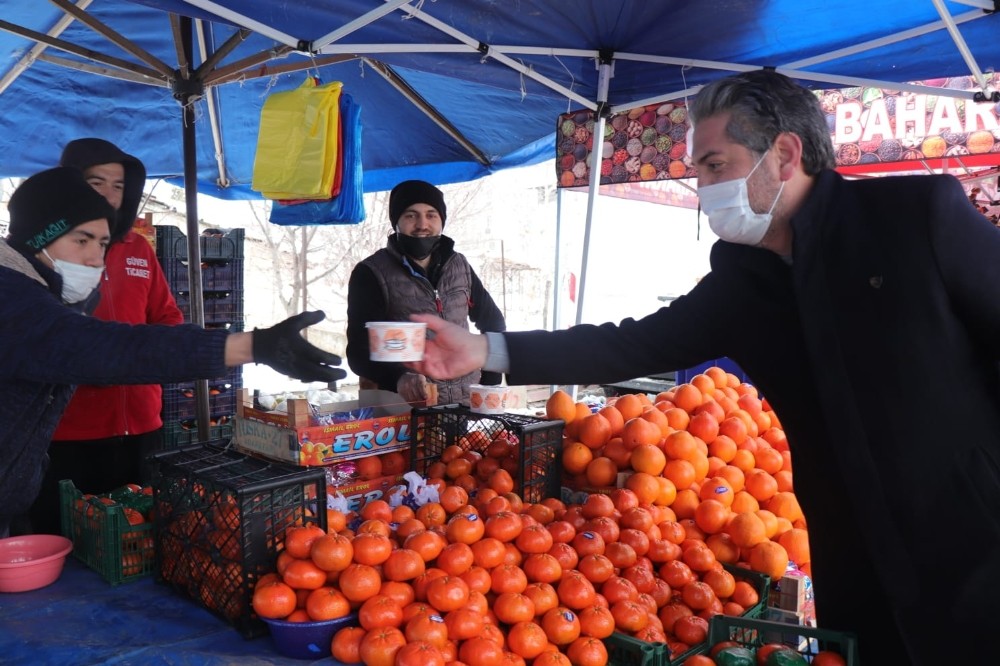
x: 418, y: 247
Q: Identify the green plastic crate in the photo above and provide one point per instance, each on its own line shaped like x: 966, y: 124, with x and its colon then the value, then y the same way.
x: 624, y: 650
x: 807, y: 641
x: 102, y: 537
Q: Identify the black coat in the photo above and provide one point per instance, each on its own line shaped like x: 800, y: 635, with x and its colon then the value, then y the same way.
x: 878, y: 349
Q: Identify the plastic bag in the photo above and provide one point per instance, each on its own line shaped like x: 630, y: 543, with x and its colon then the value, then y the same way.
x: 349, y: 206
x: 298, y: 141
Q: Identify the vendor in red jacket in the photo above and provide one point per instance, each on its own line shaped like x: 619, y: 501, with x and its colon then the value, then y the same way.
x: 106, y: 430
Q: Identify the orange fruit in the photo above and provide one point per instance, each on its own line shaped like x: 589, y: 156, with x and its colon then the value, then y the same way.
x: 744, y: 502
x: 575, y: 457
x: 645, y: 486
x: 648, y: 458
x: 594, y: 431
x: 769, y: 557
x: 680, y: 472
x: 369, y: 467
x: 601, y: 472
x: 796, y: 543
x: 761, y: 485
x: 722, y: 447
x: 614, y: 417
x: 717, y: 488
x: 560, y: 406
x: 680, y: 445
x: 629, y: 406
x: 685, y: 503
x: 785, y: 505
x: 688, y: 397
x: 678, y: 419
x: 640, y: 431
x: 703, y: 383
x: 668, y: 492
x: 711, y: 515
x: 747, y: 530
x: 735, y: 428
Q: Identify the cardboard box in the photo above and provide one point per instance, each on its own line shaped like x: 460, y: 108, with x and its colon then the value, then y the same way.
x: 298, y: 435
x: 789, y: 592
x: 359, y: 493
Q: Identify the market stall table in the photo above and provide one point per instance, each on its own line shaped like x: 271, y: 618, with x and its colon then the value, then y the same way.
x: 81, y: 619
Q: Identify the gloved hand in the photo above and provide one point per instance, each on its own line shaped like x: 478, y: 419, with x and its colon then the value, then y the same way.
x: 284, y: 349
x: 412, y: 387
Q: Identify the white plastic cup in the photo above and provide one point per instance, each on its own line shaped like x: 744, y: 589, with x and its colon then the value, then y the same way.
x: 396, y: 341
x: 484, y: 399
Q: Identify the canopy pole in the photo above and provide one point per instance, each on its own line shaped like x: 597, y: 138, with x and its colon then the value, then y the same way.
x: 36, y: 50
x: 557, y: 277
x: 960, y: 44
x: 606, y: 70
x: 187, y: 90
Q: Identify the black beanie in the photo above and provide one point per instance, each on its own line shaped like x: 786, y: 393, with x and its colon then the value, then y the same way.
x: 411, y: 192
x: 49, y: 204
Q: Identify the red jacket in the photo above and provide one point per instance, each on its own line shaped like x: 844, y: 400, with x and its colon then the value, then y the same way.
x: 134, y: 291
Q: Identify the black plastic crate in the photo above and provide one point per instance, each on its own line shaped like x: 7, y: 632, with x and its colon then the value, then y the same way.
x: 177, y: 434
x: 180, y: 402
x: 215, y: 275
x: 219, y: 306
x: 171, y: 243
x: 220, y: 519
x: 232, y: 379
x: 537, y: 442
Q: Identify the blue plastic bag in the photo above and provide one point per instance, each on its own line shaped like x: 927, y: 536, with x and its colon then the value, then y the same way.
x: 349, y: 206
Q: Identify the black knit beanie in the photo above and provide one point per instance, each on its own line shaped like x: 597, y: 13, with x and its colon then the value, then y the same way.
x: 411, y: 192
x: 50, y: 204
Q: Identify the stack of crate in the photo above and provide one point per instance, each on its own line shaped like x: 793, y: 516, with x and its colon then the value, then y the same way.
x: 222, y: 287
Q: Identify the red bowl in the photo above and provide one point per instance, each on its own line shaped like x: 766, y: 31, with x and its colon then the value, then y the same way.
x: 33, y: 561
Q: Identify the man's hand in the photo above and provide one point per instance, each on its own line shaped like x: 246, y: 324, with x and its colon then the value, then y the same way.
x: 412, y: 387
x: 283, y: 348
x: 450, y: 350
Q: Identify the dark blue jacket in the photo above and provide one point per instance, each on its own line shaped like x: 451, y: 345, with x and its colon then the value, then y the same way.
x: 46, y: 348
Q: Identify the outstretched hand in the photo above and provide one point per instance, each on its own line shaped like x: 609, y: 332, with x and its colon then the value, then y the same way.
x: 450, y: 350
x: 283, y: 348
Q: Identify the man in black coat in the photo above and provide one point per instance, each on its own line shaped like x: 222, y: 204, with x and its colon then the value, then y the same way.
x: 868, y: 313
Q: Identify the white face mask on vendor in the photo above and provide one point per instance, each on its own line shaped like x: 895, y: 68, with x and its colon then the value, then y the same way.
x: 729, y: 213
x: 78, y: 281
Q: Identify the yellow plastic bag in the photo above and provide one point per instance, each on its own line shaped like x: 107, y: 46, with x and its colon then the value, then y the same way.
x: 297, y: 142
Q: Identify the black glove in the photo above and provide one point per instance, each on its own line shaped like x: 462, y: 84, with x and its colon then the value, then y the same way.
x: 285, y: 350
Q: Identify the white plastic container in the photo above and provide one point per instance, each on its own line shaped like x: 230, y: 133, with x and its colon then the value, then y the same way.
x: 396, y: 341
x: 485, y: 399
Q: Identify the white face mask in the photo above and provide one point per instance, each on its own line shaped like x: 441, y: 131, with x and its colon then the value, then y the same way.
x: 78, y: 281
x: 729, y: 213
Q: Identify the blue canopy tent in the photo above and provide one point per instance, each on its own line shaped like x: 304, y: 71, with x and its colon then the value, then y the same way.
x: 450, y: 89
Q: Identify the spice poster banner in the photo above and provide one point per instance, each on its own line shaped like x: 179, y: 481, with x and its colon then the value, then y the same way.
x: 643, y: 144
x: 873, y: 129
